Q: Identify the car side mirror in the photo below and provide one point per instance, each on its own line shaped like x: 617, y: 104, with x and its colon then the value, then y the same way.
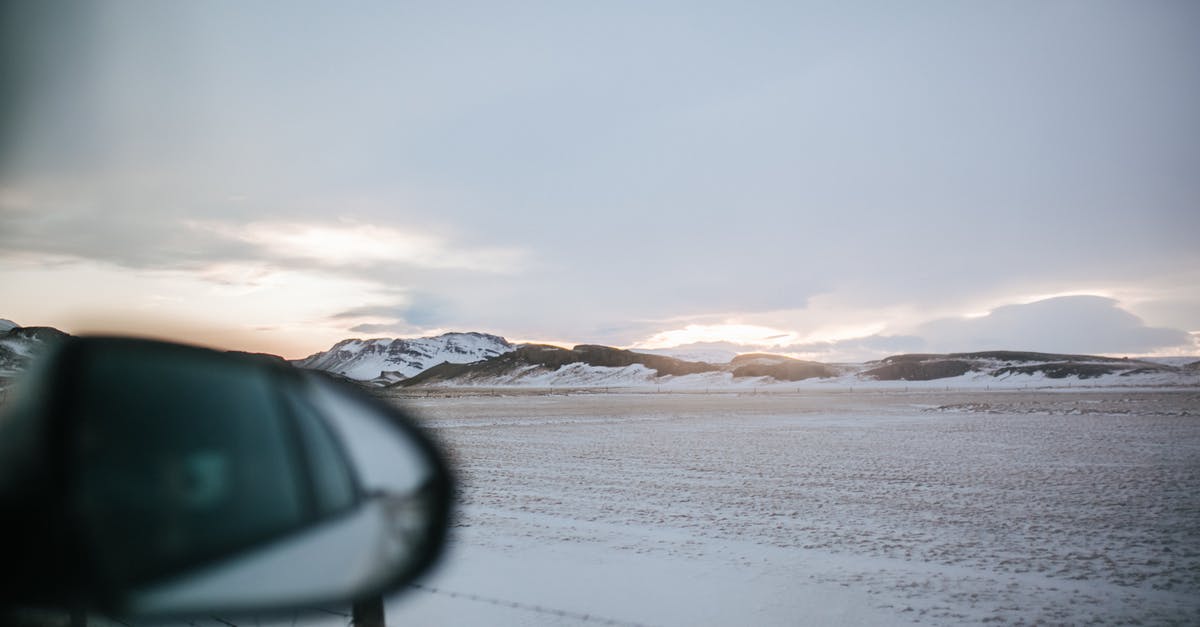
x: 150, y: 479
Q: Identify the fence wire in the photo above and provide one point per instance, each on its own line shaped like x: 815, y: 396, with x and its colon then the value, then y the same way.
x: 528, y: 607
x: 582, y: 617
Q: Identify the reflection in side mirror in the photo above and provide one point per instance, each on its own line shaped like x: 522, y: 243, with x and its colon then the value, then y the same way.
x: 198, y: 482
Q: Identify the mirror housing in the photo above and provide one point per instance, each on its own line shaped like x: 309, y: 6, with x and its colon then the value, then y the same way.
x: 150, y: 479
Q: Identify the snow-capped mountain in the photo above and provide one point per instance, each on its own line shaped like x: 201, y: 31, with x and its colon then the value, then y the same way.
x: 394, y: 359
x: 19, y: 345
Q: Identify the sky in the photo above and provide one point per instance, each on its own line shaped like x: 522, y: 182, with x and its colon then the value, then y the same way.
x: 833, y: 180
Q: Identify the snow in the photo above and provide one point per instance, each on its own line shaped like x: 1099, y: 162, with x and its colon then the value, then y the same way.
x: 7, y: 325
x: 574, y: 579
x: 571, y: 375
x: 21, y: 346
x: 821, y: 508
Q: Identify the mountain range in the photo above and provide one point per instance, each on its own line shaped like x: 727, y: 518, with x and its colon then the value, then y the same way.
x: 480, y: 359
x: 590, y: 366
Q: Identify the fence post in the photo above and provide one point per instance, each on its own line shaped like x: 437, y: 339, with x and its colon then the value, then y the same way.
x: 368, y: 612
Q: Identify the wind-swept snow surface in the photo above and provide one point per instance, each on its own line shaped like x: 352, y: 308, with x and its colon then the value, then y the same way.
x: 823, y: 508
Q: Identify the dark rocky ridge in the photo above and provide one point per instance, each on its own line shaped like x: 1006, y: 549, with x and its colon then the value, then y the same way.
x: 1061, y: 370
x: 913, y: 370
x: 552, y: 358
x: 1018, y: 356
x: 928, y: 367
x: 779, y: 367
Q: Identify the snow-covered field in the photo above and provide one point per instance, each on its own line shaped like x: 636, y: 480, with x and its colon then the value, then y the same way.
x: 789, y: 509
x: 874, y: 507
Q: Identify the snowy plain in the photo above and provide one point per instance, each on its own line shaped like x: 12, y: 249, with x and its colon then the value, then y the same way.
x: 840, y: 508
x: 873, y: 507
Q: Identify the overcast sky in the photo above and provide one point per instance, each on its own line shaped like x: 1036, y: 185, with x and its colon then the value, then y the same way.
x: 834, y: 180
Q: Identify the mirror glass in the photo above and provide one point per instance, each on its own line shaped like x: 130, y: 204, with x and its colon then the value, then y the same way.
x: 179, y: 460
x: 209, y: 481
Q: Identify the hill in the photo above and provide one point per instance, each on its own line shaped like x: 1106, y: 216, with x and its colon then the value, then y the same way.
x: 1003, y: 364
x: 542, y: 364
x: 388, y: 360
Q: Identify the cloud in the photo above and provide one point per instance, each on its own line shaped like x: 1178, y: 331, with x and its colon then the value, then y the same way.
x: 373, y: 311
x: 742, y: 334
x: 64, y: 227
x: 61, y: 225
x: 869, y: 159
x: 855, y: 349
x: 415, y: 313
x: 395, y: 328
x: 1068, y: 324
x: 845, y: 350
x: 1084, y: 324
x: 360, y: 244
